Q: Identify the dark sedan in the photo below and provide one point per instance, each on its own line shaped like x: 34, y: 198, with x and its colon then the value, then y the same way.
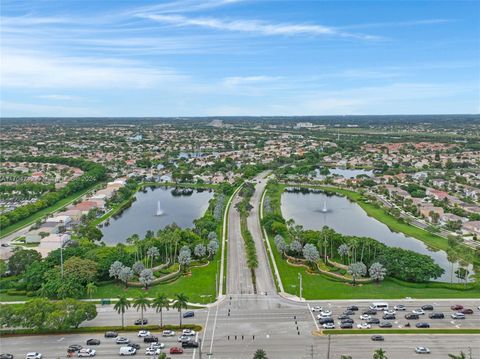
x: 93, y: 342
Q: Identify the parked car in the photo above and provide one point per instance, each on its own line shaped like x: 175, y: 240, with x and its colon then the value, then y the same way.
x: 427, y: 307
x: 385, y: 325
x: 6, y: 356
x: 111, y: 334
x: 377, y: 338
x: 328, y: 326
x: 411, y: 316
x: 326, y: 320
x: 122, y: 340
x: 143, y: 333
x: 364, y: 326
x: 370, y: 312
x: 168, y: 333
x: 343, y: 317
x: 176, y: 350
x: 418, y: 311
x: 127, y: 351
x: 466, y: 311
x: 400, y: 307
x: 458, y: 316
x: 133, y: 345
x: 150, y: 339
x: 373, y: 321
x: 190, y: 344
x: 389, y: 311
x: 348, y: 312
x: 33, y: 355
x: 422, y: 350
x: 422, y: 325
x: 322, y: 316
x: 352, y: 308
x: 139, y: 322
x: 86, y: 352
x: 316, y: 308
x: 189, y: 314
x: 365, y: 317
x: 74, y: 347
x: 189, y: 332
x: 183, y: 338
x: 347, y: 320
x: 346, y: 325
x: 389, y: 317
x: 93, y: 342
x: 456, y: 307
x: 436, y: 316
x: 326, y: 313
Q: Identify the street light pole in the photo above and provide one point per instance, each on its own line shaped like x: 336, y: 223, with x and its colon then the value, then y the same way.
x: 300, y: 279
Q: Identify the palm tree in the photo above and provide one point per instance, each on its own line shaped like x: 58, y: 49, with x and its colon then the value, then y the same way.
x: 161, y: 301
x: 121, y: 307
x: 181, y: 301
x: 141, y: 302
x: 460, y: 356
x: 379, y: 354
x: 260, y: 354
x: 91, y: 289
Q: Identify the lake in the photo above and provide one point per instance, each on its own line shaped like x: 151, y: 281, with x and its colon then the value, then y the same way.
x: 347, y: 217
x: 181, y: 206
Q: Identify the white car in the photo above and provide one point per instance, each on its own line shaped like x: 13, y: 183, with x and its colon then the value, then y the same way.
x: 33, y: 355
x: 183, y: 338
x: 152, y: 351
x: 364, y: 326
x: 418, y: 311
x: 127, y: 351
x: 328, y: 326
x: 422, y: 350
x: 86, y: 352
x: 389, y: 312
x: 365, y: 317
x: 122, y: 340
x: 317, y: 308
x: 458, y: 316
x: 143, y: 333
x: 326, y: 313
x: 189, y: 332
x: 400, y: 307
x: 157, y: 345
x: 323, y: 316
x: 168, y: 333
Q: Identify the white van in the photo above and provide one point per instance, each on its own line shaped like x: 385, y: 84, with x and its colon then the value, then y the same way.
x: 127, y: 351
x: 379, y: 306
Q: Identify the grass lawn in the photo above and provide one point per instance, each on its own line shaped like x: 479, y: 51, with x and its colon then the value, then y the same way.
x: 200, y: 283
x: 319, y: 286
x: 36, y: 216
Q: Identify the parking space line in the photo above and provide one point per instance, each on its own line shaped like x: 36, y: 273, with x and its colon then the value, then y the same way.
x: 313, y: 317
x: 205, y: 331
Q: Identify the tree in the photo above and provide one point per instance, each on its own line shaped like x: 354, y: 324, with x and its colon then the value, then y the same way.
x: 115, y: 269
x: 377, y: 271
x: 310, y: 253
x: 3, y: 267
x: 125, y: 275
x: 141, y: 302
x: 212, y: 247
x: 343, y: 250
x: 200, y: 250
x: 280, y: 244
x: 357, y: 269
x: 296, y: 247
x: 212, y: 236
x: 460, y: 356
x: 146, y: 277
x: 84, y: 270
x: 121, y: 307
x: 159, y: 302
x: 138, y: 267
x: 260, y: 354
x: 379, y: 354
x: 91, y: 289
x: 181, y: 302
x: 22, y: 259
x: 184, y: 258
x: 153, y: 253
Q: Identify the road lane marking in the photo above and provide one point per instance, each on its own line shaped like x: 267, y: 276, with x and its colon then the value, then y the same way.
x: 213, y: 331
x: 205, y: 332
x: 313, y: 317
x: 195, y: 349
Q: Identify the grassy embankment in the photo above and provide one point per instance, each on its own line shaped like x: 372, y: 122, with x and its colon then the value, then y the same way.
x: 320, y: 286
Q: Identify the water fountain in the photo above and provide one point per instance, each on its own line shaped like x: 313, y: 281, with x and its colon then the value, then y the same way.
x: 159, y: 209
x: 324, y: 209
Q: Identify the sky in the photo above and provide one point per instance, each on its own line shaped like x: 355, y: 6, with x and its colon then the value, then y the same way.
x: 233, y: 57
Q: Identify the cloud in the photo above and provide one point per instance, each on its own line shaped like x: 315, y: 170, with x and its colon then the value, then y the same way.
x: 398, y: 23
x: 59, y: 97
x: 37, y: 69
x: 20, y: 109
x: 185, y: 6
x: 255, y: 26
x: 247, y: 80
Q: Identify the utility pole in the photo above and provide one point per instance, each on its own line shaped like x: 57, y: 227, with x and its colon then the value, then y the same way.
x: 199, y: 348
x: 300, y: 279
x: 328, y: 350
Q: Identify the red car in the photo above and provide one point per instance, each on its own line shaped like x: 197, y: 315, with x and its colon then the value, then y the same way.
x: 456, y: 307
x: 176, y: 350
x: 466, y: 311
